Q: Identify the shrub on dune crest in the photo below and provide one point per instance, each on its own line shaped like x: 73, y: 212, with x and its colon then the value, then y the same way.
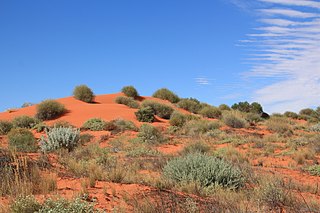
x: 166, y: 94
x: 128, y: 101
x: 130, y: 91
x: 83, y: 93
x: 50, y: 109
x: 161, y: 110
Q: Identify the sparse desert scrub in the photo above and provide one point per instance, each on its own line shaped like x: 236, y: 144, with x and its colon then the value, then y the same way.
x: 279, y: 125
x: 123, y: 125
x: 128, y: 101
x: 198, y: 127
x: 161, y: 110
x: 234, y: 119
x: 24, y: 121
x: 314, y: 170
x: 195, y: 147
x: 150, y: 134
x: 223, y: 107
x: 130, y: 91
x: 22, y: 140
x: 210, y: 112
x: 177, y: 119
x: 253, y: 118
x: 166, y: 94
x: 190, y: 104
x: 203, y: 170
x: 83, y: 93
x: 60, y: 137
x: 5, y: 127
x: 49, y: 109
x: 145, y: 114
x: 232, y: 155
x: 94, y: 124
x: 289, y: 114
x: 61, y: 123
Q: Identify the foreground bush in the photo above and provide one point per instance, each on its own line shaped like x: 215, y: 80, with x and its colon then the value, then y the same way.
x: 130, y: 91
x: 161, y: 110
x: 22, y: 140
x: 83, y: 93
x: 166, y: 94
x: 203, y: 170
x: 5, y: 127
x: 50, y: 109
x: 210, y: 112
x: 60, y: 137
x: 150, y: 134
x: 145, y: 114
x: 190, y: 104
x: 94, y: 124
x: 128, y: 101
x: 24, y: 121
x: 234, y: 120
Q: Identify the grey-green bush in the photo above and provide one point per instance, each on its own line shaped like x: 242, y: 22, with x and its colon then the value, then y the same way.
x: 130, y: 91
x: 145, y: 114
x: 210, y: 112
x: 224, y: 107
x: 22, y: 140
x: 234, y: 121
x: 83, y: 93
x: 166, y: 94
x: 24, y: 121
x: 177, y: 119
x: 161, y: 110
x: 128, y: 101
x: 190, y: 104
x: 49, y: 109
x: 204, y: 170
x: 60, y: 137
x: 94, y: 124
x: 5, y: 127
x: 197, y: 127
x: 150, y: 134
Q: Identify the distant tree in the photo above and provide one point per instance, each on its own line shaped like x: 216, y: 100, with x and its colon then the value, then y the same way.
x: 247, y: 107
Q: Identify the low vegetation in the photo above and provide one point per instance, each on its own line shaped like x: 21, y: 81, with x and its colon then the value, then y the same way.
x: 22, y: 140
x: 5, y: 127
x: 83, y: 93
x: 145, y: 114
x: 161, y: 110
x: 24, y: 121
x: 128, y: 101
x: 234, y: 120
x: 130, y: 91
x: 49, y: 109
x: 166, y: 94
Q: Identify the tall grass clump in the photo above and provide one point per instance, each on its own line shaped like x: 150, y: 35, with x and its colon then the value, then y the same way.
x: 49, y: 109
x: 83, y: 93
x: 234, y: 120
x: 5, y: 127
x: 128, y: 101
x: 166, y: 94
x: 210, y: 112
x: 24, y: 121
x: 150, y: 134
x: 60, y: 137
x: 161, y: 110
x: 145, y: 114
x: 22, y: 140
x: 130, y: 91
x: 207, y: 171
x: 279, y: 125
x: 94, y: 124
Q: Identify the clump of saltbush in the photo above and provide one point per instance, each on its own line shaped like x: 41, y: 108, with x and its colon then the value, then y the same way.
x: 207, y: 171
x: 166, y: 94
x: 145, y: 114
x: 177, y: 119
x: 190, y: 104
x: 210, y: 112
x: 128, y: 101
x: 234, y: 120
x: 5, y: 127
x: 60, y: 137
x: 150, y: 134
x: 161, y: 110
x: 49, y: 109
x: 94, y: 124
x: 130, y: 91
x: 197, y: 127
x: 83, y: 93
x: 22, y: 140
x: 123, y: 125
x: 24, y: 121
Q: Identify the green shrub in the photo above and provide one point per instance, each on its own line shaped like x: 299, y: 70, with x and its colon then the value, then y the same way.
x: 246, y: 107
x: 190, y: 104
x: 253, y: 118
x: 234, y: 120
x: 150, y: 134
x: 60, y: 137
x: 210, y: 112
x: 25, y: 204
x: 195, y: 147
x: 177, y: 119
x: 145, y: 114
x: 166, y: 94
x: 314, y: 170
x: 315, y: 128
x: 161, y: 110
x: 123, y: 125
x: 128, y: 101
x: 224, y: 107
x: 5, y: 127
x: 24, y: 121
x: 22, y: 139
x: 197, y: 127
x: 49, y: 109
x: 83, y: 93
x: 62, y: 123
x: 204, y: 170
x: 279, y: 125
x: 94, y: 124
x: 40, y: 127
x: 291, y: 115
x: 130, y: 91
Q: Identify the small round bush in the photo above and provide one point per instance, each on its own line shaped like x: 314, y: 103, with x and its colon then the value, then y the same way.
x: 224, y: 107
x: 130, y: 91
x: 204, y: 170
x: 24, y: 121
x: 166, y: 94
x: 83, y: 93
x: 5, y: 127
x: 210, y: 112
x: 161, y: 110
x: 177, y: 119
x: 145, y: 114
x: 22, y: 140
x: 128, y: 101
x: 190, y: 104
x: 234, y: 121
x: 94, y: 124
x: 150, y: 134
x: 50, y: 109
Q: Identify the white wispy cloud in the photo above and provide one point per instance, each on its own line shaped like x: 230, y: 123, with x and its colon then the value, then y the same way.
x: 287, y: 45
x: 203, y: 81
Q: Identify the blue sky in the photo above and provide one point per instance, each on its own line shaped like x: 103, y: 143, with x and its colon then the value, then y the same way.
x: 221, y: 51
